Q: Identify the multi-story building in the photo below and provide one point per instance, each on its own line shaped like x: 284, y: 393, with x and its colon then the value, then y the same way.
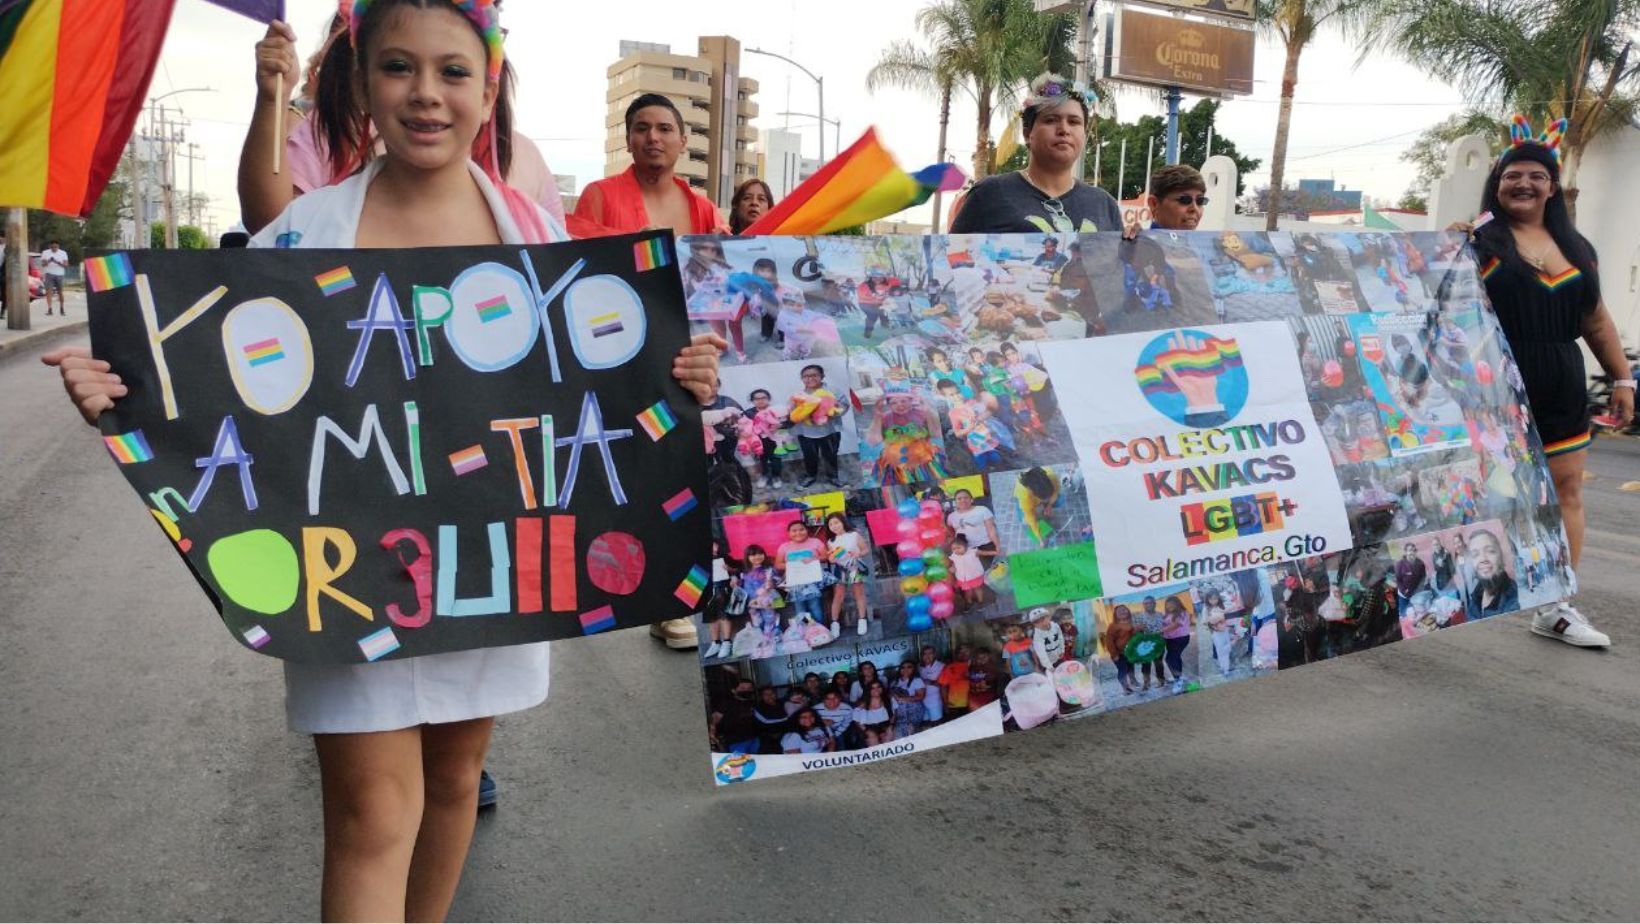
x: 780, y: 161
x: 717, y: 104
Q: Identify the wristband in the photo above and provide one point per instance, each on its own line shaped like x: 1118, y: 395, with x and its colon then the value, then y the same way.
x: 1624, y: 383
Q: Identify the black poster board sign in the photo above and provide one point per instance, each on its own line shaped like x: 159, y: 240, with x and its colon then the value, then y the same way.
x: 374, y: 454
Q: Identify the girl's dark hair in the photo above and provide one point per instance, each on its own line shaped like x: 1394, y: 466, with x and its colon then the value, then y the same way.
x: 1036, y: 480
x: 755, y: 549
x: 836, y: 516
x: 736, y: 225
x: 343, y: 122
x: 1494, y: 237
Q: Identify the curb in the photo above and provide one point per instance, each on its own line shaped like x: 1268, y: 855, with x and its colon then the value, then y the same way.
x: 36, y: 338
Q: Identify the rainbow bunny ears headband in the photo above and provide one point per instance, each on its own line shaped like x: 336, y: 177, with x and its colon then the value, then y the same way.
x: 483, y: 13
x: 1520, y: 133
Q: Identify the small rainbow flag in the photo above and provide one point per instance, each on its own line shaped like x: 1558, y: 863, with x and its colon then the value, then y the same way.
x: 680, y: 504
x: 377, y: 644
x: 339, y: 279
x: 468, y: 460
x: 605, y: 324
x: 256, y: 636
x: 692, y: 587
x: 598, y: 620
x: 493, y: 309
x: 129, y: 448
x: 651, y: 254
x: 657, y: 420
x: 861, y: 184
x: 263, y: 352
x: 110, y: 272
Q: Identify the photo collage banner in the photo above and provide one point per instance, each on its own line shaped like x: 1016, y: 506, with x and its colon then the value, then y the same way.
x: 968, y: 485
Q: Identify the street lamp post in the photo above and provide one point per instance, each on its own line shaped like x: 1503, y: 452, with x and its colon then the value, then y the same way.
x: 168, y: 166
x: 819, y: 89
x: 836, y: 127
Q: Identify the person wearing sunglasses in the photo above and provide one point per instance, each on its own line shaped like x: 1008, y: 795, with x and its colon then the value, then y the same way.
x: 1046, y: 196
x: 1177, y: 195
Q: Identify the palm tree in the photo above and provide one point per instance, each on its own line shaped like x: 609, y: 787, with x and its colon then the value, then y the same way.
x: 1571, y: 58
x: 989, y: 49
x: 1296, y: 23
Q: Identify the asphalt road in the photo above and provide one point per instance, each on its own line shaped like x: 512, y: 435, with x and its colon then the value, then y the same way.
x: 1482, y: 773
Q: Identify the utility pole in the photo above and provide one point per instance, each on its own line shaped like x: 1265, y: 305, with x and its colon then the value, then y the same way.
x: 16, y: 281
x: 169, y: 155
x: 193, y: 204
x: 139, y: 221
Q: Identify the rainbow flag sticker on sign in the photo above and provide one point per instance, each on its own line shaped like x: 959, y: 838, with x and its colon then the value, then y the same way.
x: 650, y: 254
x: 110, y: 272
x: 657, y: 420
x: 694, y: 584
x: 337, y: 280
x: 129, y: 448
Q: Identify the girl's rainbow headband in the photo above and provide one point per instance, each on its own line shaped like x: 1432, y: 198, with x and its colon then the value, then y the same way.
x: 483, y: 13
x: 1520, y: 132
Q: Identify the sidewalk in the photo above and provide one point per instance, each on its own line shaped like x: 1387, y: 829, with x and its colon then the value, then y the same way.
x: 43, y: 329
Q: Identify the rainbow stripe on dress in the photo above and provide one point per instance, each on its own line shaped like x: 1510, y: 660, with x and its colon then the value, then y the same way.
x: 263, y: 352
x: 651, y: 254
x: 1570, y: 444
x: 110, y: 272
x: 1554, y: 282
x: 657, y: 420
x: 337, y: 280
x: 1210, y: 360
x: 493, y: 309
x: 1490, y: 268
x: 129, y: 448
x: 694, y: 584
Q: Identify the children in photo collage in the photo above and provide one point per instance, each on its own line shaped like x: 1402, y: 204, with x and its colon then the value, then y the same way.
x: 1162, y: 282
x: 858, y: 696
x: 1342, y: 404
x: 1018, y: 288
x: 889, y: 290
x: 1418, y: 411
x: 1334, y: 605
x: 1453, y: 492
x: 1147, y: 640
x: 1322, y: 272
x: 899, y: 422
x: 1042, y: 507
x: 997, y: 407
x: 794, y: 434
x: 1248, y: 277
x: 1232, y: 612
x: 1392, y: 271
x: 1041, y: 662
x: 763, y: 294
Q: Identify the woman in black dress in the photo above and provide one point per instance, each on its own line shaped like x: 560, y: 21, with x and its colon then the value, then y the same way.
x: 1542, y: 278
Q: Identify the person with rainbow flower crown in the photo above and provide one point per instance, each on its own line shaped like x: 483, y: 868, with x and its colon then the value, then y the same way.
x: 401, y: 743
x: 1543, y: 280
x: 1046, y: 196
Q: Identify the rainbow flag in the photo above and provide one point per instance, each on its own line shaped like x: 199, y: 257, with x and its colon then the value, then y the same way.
x: 263, y: 352
x: 651, y: 254
x: 493, y: 309
x: 680, y: 504
x: 468, y: 460
x: 657, y: 420
x: 74, y: 76
x: 694, y: 584
x: 339, y: 279
x: 379, y: 644
x: 129, y: 448
x: 597, y: 620
x: 861, y: 184
x: 110, y: 272
x: 1211, y: 359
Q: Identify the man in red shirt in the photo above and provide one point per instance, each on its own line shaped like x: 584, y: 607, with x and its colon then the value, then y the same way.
x: 649, y: 194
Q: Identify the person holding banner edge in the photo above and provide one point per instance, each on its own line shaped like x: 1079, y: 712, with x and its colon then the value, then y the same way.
x: 1542, y: 278
x: 401, y: 743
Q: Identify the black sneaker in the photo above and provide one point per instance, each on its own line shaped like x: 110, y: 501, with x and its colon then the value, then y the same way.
x: 807, y: 482
x: 486, y: 790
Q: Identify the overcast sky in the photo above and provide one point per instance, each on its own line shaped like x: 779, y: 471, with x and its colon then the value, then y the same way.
x: 1349, y: 123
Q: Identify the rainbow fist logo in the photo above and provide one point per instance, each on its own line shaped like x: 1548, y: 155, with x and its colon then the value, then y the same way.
x: 736, y: 768
x: 1193, y: 378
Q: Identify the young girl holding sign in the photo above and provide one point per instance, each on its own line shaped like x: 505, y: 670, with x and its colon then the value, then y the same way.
x: 400, y: 743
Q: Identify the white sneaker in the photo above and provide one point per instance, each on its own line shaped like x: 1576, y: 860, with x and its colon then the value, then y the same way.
x: 711, y: 652
x: 1562, y: 621
x: 863, y: 627
x: 836, y: 629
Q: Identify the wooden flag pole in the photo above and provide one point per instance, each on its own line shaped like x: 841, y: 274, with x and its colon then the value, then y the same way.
x: 278, y: 121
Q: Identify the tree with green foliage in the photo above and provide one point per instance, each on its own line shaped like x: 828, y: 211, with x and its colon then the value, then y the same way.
x: 188, y: 237
x: 1571, y: 58
x: 1297, y: 23
x: 1428, y: 151
x: 987, y: 49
